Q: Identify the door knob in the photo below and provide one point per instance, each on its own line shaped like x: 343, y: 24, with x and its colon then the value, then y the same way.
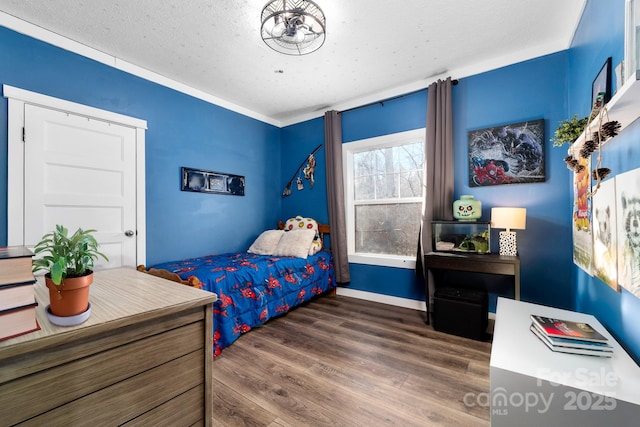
x: 129, y: 233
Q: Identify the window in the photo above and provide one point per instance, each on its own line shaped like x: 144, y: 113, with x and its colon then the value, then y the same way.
x: 383, y: 198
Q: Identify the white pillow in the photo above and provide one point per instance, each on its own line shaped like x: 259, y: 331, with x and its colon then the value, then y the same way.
x: 300, y: 223
x: 295, y: 243
x: 266, y: 242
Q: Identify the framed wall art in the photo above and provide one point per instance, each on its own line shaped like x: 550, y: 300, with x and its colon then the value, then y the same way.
x: 627, y: 186
x: 203, y: 181
x: 601, y: 88
x: 604, y: 234
x: 508, y: 154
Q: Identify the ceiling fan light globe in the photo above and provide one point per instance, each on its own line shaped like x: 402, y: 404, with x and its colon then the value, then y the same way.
x: 295, y: 38
x: 278, y: 30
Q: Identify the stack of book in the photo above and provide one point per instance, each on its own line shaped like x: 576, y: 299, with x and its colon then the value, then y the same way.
x: 570, y: 337
x: 17, y: 293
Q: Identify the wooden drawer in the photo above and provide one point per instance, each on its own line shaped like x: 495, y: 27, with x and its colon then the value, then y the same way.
x: 131, y: 398
x: 46, y: 356
x: 69, y: 382
x: 184, y: 410
x: 477, y: 265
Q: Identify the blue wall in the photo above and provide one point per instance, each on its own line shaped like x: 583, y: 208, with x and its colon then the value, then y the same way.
x: 601, y: 35
x: 530, y: 90
x: 297, y: 142
x: 183, y: 131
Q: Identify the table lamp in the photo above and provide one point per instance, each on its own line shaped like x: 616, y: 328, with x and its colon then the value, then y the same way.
x: 509, y: 218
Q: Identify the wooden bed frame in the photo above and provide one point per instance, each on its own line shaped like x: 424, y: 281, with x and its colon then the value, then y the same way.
x: 193, y: 281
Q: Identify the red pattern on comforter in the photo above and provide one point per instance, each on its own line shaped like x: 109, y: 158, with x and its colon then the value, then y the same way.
x: 252, y: 288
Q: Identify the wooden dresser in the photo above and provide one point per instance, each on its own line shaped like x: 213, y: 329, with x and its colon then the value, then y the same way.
x: 144, y: 357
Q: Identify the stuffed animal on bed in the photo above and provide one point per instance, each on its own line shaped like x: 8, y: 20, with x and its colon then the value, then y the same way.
x: 300, y: 223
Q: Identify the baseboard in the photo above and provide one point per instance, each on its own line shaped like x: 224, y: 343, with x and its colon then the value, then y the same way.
x: 387, y: 299
x: 384, y: 299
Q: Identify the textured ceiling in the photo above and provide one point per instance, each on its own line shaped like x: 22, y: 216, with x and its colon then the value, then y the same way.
x: 373, y: 48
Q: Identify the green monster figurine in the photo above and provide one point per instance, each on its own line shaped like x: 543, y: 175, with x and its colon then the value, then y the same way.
x: 467, y: 208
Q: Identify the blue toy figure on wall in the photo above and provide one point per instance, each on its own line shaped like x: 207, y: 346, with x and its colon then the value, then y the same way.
x: 467, y: 208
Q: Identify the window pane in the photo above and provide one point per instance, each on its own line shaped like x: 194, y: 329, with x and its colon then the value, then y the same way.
x: 364, y: 187
x: 386, y: 186
x: 387, y: 228
x: 411, y: 183
x: 388, y: 173
x: 365, y: 167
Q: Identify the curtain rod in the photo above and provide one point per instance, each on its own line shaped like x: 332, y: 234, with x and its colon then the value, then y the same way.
x: 393, y: 98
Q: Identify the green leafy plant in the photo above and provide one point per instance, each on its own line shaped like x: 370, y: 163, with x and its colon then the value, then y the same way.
x: 569, y: 130
x: 66, y: 256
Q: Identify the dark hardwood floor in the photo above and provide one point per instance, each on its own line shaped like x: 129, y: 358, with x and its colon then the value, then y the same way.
x: 339, y: 361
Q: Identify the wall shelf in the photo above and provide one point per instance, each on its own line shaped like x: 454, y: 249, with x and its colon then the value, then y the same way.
x: 624, y: 107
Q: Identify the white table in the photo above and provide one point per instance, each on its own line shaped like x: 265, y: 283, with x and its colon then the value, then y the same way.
x: 533, y: 386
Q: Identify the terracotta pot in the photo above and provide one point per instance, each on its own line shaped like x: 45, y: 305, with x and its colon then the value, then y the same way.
x: 71, y: 297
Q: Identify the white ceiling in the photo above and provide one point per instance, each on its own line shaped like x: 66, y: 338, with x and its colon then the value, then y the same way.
x: 374, y: 49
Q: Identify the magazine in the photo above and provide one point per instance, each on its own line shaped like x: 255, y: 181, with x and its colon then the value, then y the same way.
x: 570, y: 350
x: 559, y: 328
x: 572, y: 343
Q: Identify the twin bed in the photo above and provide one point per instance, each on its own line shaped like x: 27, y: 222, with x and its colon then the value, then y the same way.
x: 281, y: 270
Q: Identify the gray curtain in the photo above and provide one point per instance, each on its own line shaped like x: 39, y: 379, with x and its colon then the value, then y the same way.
x: 438, y: 199
x: 335, y: 194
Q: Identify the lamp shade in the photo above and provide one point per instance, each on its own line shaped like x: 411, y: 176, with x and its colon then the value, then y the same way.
x: 509, y: 218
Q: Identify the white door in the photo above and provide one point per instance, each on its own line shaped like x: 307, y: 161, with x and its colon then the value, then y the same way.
x: 80, y: 172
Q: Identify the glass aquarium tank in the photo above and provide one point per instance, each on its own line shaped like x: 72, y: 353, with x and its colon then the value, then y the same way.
x: 462, y: 236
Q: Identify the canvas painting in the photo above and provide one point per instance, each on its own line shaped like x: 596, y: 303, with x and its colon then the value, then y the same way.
x: 508, y: 154
x: 582, y: 236
x: 605, y: 263
x: 628, y: 218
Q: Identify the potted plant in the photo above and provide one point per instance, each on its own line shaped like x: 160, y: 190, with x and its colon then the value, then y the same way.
x: 569, y: 130
x: 69, y: 263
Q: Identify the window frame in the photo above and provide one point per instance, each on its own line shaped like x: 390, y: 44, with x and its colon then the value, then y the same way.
x: 348, y: 151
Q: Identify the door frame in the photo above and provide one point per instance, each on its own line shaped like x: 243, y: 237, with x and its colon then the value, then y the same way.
x: 15, y: 171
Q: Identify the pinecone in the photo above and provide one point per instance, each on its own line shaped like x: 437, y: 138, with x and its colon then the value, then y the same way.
x: 587, y: 148
x: 600, y: 173
x: 571, y: 162
x: 610, y: 129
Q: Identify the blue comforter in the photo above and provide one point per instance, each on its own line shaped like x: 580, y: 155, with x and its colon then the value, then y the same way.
x: 251, y: 288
